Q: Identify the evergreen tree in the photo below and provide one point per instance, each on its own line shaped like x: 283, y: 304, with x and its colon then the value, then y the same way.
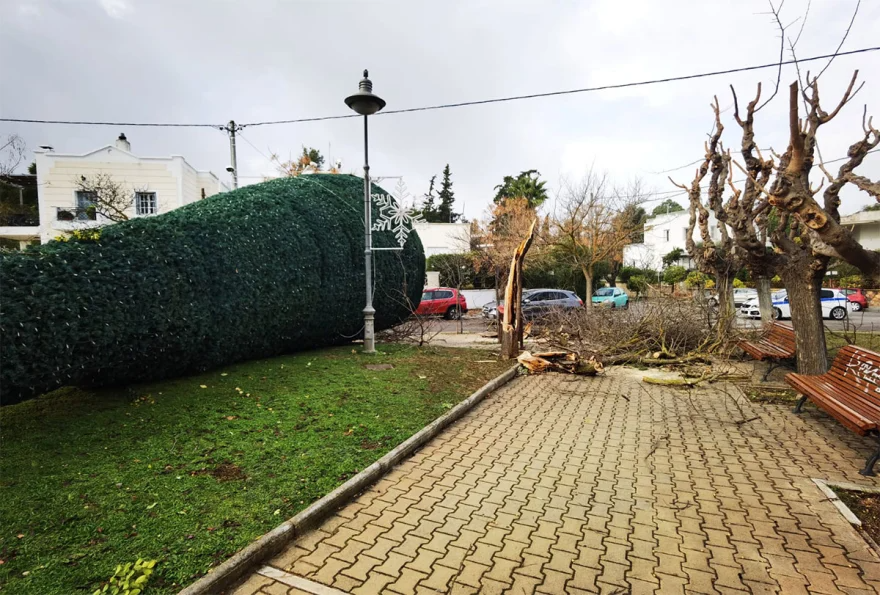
x: 429, y: 208
x: 526, y: 185
x: 447, y: 199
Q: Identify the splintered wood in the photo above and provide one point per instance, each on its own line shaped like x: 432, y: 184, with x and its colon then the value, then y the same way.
x: 559, y: 361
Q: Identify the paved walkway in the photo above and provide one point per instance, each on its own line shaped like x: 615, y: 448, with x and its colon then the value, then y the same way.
x: 563, y: 485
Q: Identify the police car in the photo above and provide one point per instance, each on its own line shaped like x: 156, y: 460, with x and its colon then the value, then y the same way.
x: 833, y: 301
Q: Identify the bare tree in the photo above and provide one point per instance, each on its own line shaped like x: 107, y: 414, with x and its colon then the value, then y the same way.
x: 591, y: 224
x: 109, y: 199
x: 12, y: 152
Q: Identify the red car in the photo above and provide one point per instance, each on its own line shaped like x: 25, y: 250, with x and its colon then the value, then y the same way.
x: 442, y: 301
x: 858, y: 298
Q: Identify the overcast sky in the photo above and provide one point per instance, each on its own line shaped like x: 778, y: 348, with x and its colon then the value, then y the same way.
x: 209, y: 61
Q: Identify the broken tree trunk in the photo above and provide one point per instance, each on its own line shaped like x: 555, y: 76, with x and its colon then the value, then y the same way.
x: 511, y: 322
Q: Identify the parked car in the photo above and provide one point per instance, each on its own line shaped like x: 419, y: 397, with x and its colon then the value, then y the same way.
x: 833, y: 301
x: 537, y: 302
x: 611, y: 297
x: 441, y: 301
x: 740, y: 296
x: 490, y: 310
x: 857, y: 298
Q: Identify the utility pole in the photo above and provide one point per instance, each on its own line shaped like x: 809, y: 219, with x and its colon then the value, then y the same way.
x: 233, y: 165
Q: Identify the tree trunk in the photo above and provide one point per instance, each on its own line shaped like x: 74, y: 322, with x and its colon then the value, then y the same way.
x: 765, y: 299
x: 588, y: 278
x: 498, y: 296
x: 806, y: 318
x: 726, y: 310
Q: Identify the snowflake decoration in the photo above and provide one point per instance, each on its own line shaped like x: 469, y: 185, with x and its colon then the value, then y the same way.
x: 395, y: 213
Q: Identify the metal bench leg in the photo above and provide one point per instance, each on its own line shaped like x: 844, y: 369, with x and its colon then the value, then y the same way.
x: 869, y: 464
x: 770, y: 368
x: 800, y: 404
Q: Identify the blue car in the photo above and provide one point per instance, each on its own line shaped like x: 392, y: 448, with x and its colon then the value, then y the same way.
x: 611, y: 297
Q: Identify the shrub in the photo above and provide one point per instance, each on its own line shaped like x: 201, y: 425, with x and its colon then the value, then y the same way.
x: 696, y: 280
x: 851, y: 281
x: 129, y: 579
x: 674, y: 274
x: 263, y: 270
x: 637, y: 284
x: 737, y: 283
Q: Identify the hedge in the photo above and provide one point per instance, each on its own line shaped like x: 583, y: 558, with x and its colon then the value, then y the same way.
x: 259, y: 271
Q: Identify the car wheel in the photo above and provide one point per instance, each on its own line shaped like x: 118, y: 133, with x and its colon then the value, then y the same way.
x: 777, y: 314
x: 838, y: 313
x: 452, y: 313
x: 856, y: 307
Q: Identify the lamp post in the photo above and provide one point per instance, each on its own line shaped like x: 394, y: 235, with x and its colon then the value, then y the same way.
x: 367, y: 104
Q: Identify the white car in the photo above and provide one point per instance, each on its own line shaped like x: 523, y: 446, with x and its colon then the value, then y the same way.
x: 833, y: 301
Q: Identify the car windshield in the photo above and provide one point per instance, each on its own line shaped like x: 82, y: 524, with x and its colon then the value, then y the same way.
x: 605, y: 291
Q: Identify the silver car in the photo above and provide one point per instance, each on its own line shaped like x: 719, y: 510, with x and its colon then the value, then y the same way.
x: 741, y: 295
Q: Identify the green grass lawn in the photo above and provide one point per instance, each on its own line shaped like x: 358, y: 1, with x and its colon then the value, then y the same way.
x: 189, y: 471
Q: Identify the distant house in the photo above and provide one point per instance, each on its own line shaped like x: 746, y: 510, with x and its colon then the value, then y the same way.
x: 663, y: 234
x: 157, y: 185
x: 865, y: 227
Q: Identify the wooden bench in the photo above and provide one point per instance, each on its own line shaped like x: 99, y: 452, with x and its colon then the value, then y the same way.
x: 849, y: 392
x: 776, y: 345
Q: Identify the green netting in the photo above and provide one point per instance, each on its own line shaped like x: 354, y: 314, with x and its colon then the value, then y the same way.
x: 262, y: 270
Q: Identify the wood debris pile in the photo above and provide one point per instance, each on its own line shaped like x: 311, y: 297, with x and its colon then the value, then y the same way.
x: 559, y: 361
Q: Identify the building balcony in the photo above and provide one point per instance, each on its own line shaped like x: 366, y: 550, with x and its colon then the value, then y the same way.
x: 19, y: 220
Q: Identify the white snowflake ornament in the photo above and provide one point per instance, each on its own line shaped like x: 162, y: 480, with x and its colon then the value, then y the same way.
x: 396, y: 213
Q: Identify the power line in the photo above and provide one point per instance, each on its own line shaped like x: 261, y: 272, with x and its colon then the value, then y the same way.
x: 573, y: 91
x: 463, y: 103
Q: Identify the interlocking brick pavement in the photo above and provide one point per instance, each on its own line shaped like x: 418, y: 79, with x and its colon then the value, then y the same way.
x: 556, y: 484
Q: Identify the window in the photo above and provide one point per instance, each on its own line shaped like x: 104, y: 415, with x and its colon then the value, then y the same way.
x: 428, y: 295
x: 825, y: 294
x: 442, y: 295
x: 665, y: 235
x: 85, y: 206
x: 145, y: 203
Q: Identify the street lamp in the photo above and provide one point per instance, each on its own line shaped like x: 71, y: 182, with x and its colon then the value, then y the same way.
x: 367, y: 104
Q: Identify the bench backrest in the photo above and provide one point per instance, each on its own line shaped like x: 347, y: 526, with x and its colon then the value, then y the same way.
x: 859, y: 369
x: 781, y: 335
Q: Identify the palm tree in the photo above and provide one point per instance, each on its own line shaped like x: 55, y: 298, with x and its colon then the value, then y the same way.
x: 526, y: 185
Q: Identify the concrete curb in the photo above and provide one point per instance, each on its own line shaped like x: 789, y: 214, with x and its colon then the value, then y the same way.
x: 271, y: 543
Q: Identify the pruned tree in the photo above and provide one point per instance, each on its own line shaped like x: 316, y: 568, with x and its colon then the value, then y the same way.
x: 717, y: 256
x: 591, y: 224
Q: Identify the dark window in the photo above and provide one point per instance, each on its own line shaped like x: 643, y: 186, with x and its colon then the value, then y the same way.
x: 428, y: 295
x: 145, y: 203
x: 442, y: 295
x: 826, y: 293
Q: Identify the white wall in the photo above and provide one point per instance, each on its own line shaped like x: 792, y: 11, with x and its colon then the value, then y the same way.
x: 477, y: 298
x: 444, y: 238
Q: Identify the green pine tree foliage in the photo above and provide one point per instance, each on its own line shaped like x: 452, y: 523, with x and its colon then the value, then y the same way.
x: 266, y: 269
x: 445, y: 210
x: 429, y: 206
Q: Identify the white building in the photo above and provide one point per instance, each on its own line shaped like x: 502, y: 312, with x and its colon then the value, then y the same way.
x: 865, y: 227
x: 444, y: 238
x: 157, y: 185
x: 663, y: 234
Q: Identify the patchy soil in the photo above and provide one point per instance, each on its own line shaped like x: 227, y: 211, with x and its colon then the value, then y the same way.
x: 866, y: 507
x: 770, y: 394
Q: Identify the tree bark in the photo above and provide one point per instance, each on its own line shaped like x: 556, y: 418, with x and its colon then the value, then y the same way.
x: 726, y: 310
x: 589, y: 282
x: 806, y: 318
x: 765, y: 299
